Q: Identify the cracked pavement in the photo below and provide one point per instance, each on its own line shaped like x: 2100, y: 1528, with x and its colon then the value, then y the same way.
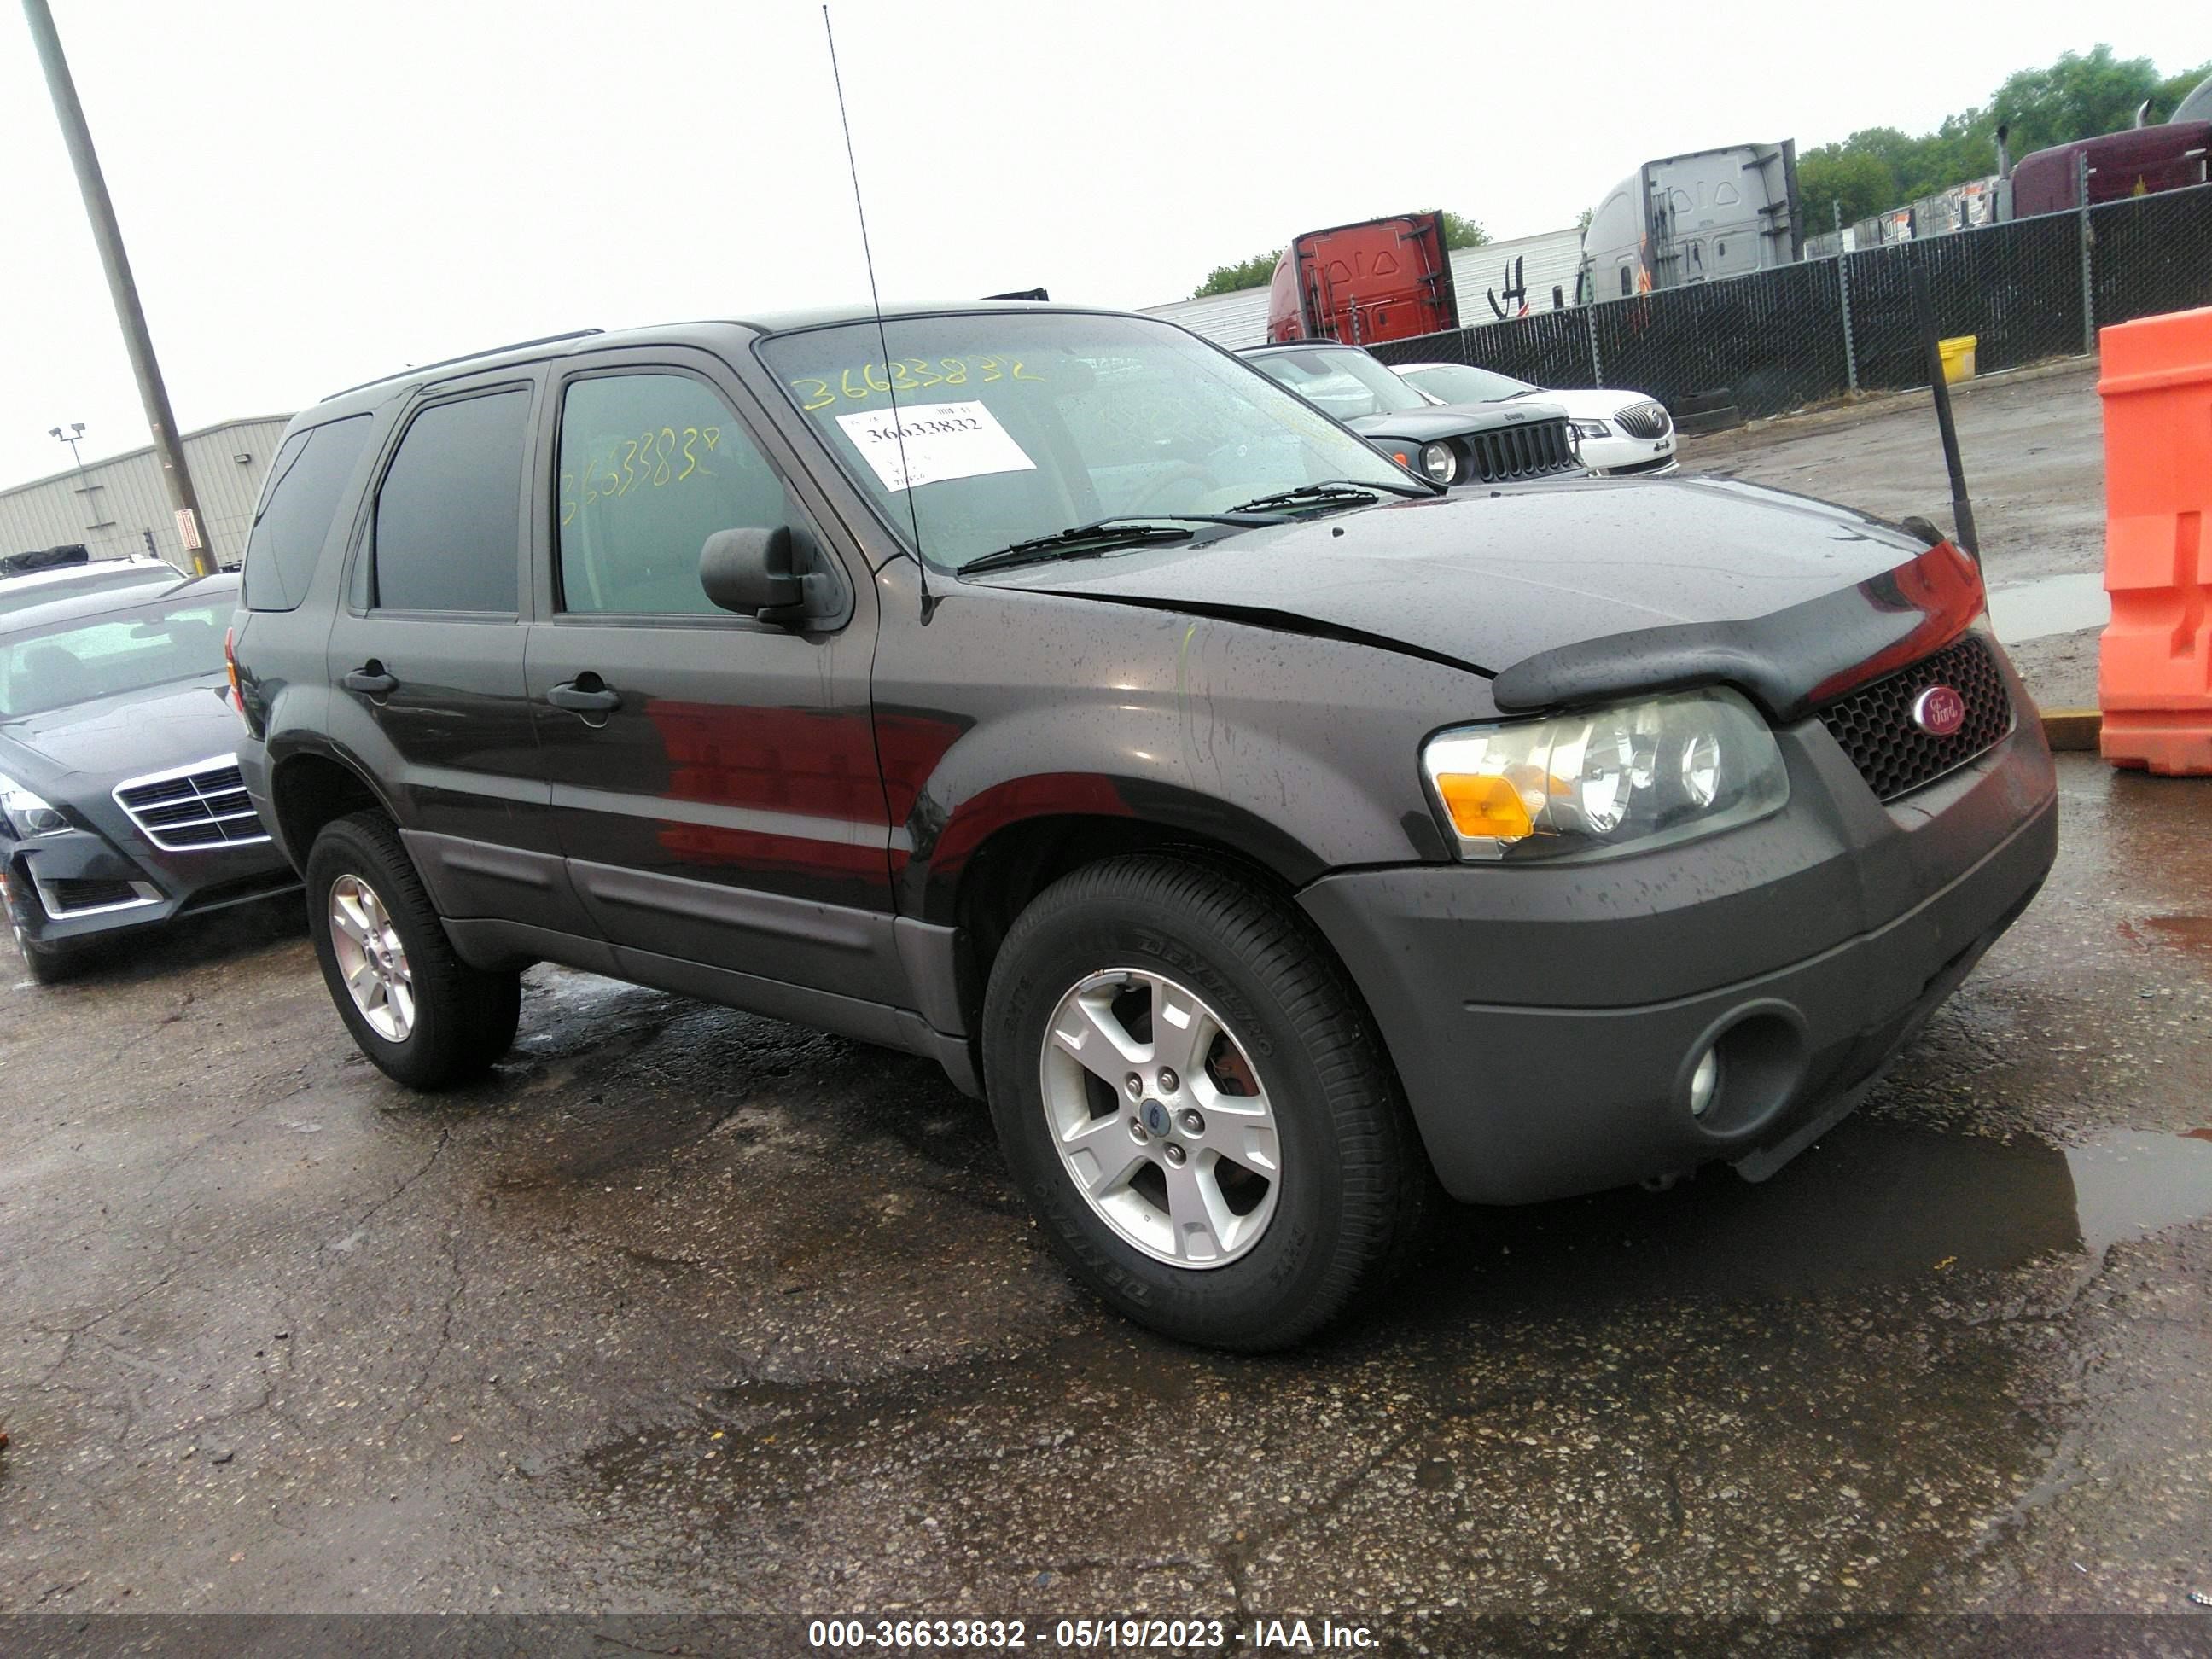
x: 684, y: 1310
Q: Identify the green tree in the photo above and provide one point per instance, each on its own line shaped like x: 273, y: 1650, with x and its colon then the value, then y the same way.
x: 1860, y: 183
x: 2076, y: 98
x: 1462, y: 232
x: 1254, y: 272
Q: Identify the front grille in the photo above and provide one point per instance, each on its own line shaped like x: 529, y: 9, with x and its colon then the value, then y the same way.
x: 73, y: 895
x: 1533, y: 451
x: 1642, y: 421
x: 1894, y: 756
x: 193, y: 808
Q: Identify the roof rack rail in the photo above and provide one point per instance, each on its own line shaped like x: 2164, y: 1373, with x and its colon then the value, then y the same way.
x: 468, y: 356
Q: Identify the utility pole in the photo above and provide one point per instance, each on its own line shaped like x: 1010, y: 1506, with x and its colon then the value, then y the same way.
x: 106, y: 232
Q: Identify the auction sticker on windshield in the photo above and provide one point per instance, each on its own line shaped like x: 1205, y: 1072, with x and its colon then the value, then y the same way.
x: 927, y: 443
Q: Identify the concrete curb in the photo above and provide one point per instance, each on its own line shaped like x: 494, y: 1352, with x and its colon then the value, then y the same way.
x: 2075, y: 729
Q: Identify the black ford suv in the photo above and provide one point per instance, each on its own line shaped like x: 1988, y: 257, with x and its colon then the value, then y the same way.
x: 1271, y: 836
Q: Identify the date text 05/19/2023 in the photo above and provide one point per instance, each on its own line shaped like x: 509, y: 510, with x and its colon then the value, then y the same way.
x: 1123, y: 1635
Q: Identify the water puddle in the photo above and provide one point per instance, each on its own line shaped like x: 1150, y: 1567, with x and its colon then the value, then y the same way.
x: 1876, y: 1203
x: 2052, y: 604
x: 2130, y: 1185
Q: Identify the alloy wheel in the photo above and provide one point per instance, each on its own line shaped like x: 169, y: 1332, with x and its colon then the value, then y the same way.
x: 371, y: 958
x: 1160, y: 1118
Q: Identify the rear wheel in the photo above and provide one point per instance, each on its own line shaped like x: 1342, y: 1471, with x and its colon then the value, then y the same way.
x: 425, y: 1017
x: 1196, y: 1105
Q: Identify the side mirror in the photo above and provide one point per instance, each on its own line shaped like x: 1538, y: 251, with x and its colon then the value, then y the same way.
x: 750, y: 572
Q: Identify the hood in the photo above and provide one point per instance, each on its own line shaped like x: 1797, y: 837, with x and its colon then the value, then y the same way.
x: 1422, y: 425
x: 1486, y: 580
x: 120, y: 737
x: 1587, y: 404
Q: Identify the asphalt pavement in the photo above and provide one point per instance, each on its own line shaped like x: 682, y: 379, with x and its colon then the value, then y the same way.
x: 686, y: 1311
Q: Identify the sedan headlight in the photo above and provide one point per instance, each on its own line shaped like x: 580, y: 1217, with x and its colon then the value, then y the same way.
x: 1610, y: 780
x: 1591, y: 428
x: 27, y: 814
x: 1438, y: 461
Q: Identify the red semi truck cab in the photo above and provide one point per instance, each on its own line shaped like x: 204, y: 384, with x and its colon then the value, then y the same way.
x: 2133, y: 162
x: 1380, y: 279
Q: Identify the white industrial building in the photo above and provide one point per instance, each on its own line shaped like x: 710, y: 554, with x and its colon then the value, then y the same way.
x: 1549, y: 262
x: 120, y: 506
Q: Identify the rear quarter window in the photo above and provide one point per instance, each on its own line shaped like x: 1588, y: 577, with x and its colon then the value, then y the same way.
x: 304, y: 482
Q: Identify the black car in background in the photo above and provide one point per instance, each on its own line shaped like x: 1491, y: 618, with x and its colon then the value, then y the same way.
x: 121, y: 801
x: 1270, y: 835
x: 1453, y: 444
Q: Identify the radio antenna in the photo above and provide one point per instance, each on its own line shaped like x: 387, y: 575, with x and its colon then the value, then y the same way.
x: 883, y: 338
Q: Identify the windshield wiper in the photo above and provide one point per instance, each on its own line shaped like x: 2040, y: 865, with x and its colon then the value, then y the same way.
x: 1104, y: 535
x: 1331, y: 491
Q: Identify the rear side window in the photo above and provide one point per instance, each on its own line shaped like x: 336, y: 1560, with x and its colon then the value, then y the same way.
x: 449, y: 511
x: 304, y: 482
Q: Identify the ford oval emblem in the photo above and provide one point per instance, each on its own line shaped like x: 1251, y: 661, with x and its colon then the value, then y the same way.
x: 1939, y: 711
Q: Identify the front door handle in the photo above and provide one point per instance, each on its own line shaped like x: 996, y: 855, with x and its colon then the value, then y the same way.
x: 371, y: 679
x: 587, y: 694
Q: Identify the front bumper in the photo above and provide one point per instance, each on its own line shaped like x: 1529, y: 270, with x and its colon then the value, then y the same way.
x: 1620, y: 456
x: 77, y: 885
x: 1544, y: 1021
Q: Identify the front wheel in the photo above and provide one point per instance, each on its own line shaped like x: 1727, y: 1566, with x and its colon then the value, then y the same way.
x: 425, y: 1017
x: 1197, y: 1106
x: 48, y: 964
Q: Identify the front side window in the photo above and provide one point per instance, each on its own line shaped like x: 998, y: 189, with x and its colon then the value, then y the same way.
x: 1010, y: 426
x: 288, y: 530
x: 652, y: 464
x: 120, y: 653
x: 449, y: 513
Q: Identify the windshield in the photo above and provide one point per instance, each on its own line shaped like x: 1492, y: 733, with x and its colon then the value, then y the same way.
x: 1463, y: 383
x: 1345, y: 381
x: 1017, y: 425
x: 93, y: 657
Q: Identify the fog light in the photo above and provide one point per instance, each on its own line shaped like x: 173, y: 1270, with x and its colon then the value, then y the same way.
x: 1704, y: 1083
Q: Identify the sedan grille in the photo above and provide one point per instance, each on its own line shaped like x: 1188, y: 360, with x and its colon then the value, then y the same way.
x: 1533, y: 451
x: 1642, y: 421
x: 1892, y: 754
x: 193, y: 807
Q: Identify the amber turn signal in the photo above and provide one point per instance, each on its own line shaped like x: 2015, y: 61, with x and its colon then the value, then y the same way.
x: 1483, y: 804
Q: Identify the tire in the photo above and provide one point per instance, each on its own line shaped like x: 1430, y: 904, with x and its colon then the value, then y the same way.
x: 48, y: 964
x: 443, y: 1021
x: 1337, y: 1191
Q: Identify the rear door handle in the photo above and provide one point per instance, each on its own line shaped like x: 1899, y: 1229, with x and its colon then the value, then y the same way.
x: 587, y: 694
x: 371, y: 679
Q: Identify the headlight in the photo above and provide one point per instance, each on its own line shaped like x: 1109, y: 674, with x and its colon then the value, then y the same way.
x: 27, y: 814
x: 1618, y: 780
x: 1439, y: 463
x: 1591, y: 430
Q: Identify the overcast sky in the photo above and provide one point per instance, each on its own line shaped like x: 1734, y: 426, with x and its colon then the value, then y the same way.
x: 316, y: 194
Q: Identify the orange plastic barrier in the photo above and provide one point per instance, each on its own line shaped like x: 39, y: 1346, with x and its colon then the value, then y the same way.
x: 2154, y: 670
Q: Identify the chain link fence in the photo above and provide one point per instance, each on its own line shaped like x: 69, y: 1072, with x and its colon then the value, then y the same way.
x: 1777, y: 340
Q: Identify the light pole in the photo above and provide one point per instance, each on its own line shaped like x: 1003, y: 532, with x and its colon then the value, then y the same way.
x: 167, y: 445
x: 73, y: 437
